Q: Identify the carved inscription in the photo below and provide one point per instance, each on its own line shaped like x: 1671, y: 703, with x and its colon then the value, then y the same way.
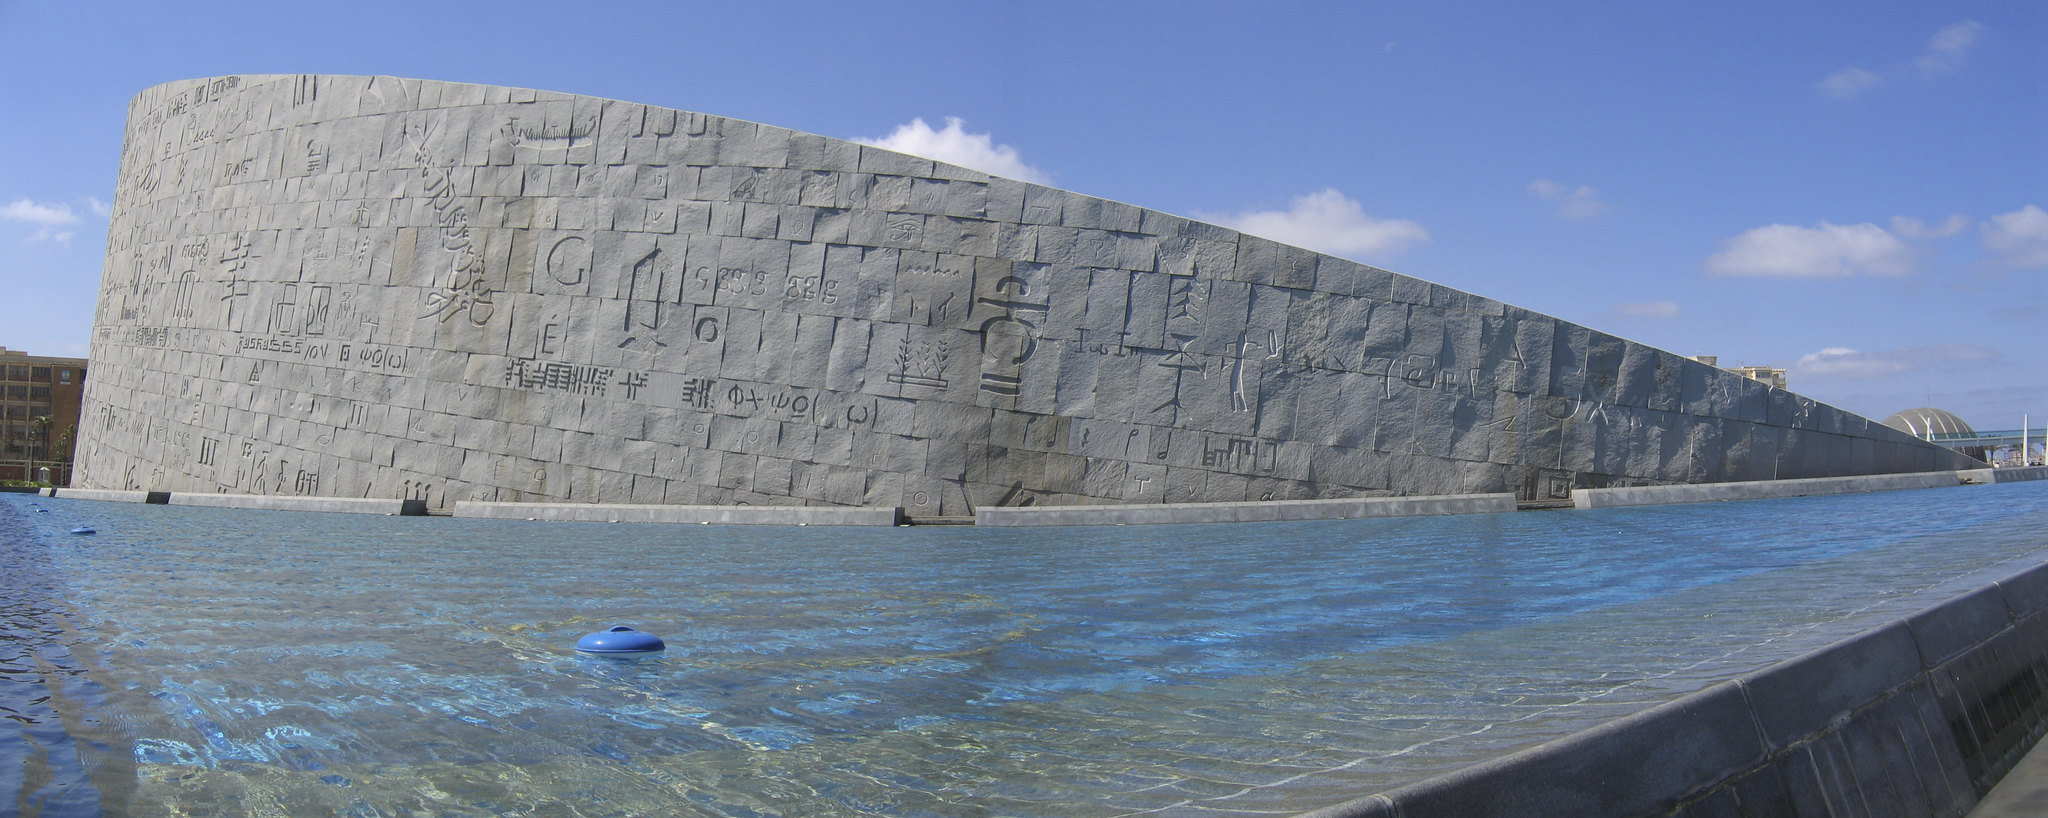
x: 465, y: 292
x: 1009, y: 338
x: 546, y: 137
x: 1241, y: 455
x: 555, y: 376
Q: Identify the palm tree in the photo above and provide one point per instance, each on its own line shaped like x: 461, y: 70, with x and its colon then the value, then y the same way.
x: 41, y: 426
x: 65, y: 441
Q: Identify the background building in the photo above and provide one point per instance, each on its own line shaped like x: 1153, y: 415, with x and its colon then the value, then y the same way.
x: 39, y: 399
x: 1768, y: 375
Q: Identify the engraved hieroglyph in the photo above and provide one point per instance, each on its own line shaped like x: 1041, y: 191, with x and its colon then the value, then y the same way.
x: 367, y: 286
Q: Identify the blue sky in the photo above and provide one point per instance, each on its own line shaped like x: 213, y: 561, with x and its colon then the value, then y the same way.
x: 1854, y: 191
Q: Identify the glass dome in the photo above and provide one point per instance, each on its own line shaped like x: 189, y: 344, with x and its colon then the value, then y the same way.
x: 1926, y: 422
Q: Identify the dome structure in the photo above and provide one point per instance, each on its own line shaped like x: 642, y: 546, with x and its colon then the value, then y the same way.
x: 1926, y: 422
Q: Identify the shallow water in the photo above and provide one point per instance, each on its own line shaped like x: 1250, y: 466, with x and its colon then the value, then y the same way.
x: 190, y: 661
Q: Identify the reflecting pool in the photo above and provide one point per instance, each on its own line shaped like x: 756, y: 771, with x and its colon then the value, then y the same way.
x: 193, y: 661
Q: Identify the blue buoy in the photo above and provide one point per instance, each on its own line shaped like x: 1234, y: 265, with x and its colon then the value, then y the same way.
x: 84, y: 529
x: 619, y: 639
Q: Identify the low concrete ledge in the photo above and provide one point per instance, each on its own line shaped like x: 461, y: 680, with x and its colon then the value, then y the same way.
x: 347, y: 505
x: 1764, y: 489
x: 1921, y: 715
x: 1249, y: 512
x: 716, y: 515
x: 2005, y: 475
x: 102, y: 495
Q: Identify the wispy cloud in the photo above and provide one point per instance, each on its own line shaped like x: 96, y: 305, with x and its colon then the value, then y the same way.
x: 1850, y: 364
x: 1945, y: 52
x: 46, y: 217
x: 2018, y: 239
x: 1578, y: 204
x: 1648, y: 309
x: 99, y: 208
x: 1826, y: 251
x: 1849, y: 82
x: 955, y: 145
x: 23, y: 210
x: 1918, y: 230
x: 1329, y: 222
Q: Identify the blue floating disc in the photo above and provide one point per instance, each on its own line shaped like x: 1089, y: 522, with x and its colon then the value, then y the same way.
x: 84, y: 529
x: 619, y: 639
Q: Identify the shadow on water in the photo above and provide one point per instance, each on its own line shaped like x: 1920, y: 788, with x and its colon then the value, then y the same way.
x: 42, y: 771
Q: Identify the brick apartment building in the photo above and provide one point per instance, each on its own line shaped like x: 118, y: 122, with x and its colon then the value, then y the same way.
x: 33, y: 387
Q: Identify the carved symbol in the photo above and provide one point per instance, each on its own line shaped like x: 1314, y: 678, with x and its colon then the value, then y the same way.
x: 568, y: 260
x: 1244, y: 347
x: 707, y: 329
x: 1182, y: 299
x: 549, y: 334
x: 181, y: 299
x: 904, y: 227
x: 643, y: 296
x: 923, y: 367
x: 1001, y: 373
x: 316, y: 157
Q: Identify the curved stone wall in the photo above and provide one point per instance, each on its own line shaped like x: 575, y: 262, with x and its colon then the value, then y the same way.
x: 378, y: 287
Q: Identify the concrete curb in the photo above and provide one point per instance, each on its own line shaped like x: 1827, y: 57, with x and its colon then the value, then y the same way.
x: 347, y: 505
x: 1266, y: 511
x: 716, y: 515
x: 1922, y: 714
x: 102, y: 495
x: 2006, y: 475
x: 1764, y: 489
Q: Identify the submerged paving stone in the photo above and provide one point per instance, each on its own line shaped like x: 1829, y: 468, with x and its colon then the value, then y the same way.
x: 407, y: 289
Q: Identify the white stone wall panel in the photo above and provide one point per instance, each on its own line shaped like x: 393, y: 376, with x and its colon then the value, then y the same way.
x: 375, y: 287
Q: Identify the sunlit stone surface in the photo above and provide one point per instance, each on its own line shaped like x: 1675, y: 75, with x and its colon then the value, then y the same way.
x: 367, y: 286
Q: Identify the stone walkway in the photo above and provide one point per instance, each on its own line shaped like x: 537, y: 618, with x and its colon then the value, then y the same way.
x: 2023, y: 793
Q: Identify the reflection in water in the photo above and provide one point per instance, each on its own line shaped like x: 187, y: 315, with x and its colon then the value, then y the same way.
x: 245, y: 661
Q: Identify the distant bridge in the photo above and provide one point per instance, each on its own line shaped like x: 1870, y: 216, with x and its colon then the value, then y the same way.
x: 1989, y: 441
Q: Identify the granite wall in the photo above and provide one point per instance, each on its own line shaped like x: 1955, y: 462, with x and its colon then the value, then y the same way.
x: 392, y: 288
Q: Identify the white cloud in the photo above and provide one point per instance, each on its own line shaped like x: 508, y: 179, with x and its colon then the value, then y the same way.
x: 1948, y: 47
x: 1916, y: 229
x: 1945, y: 52
x: 1327, y: 221
x: 2019, y: 239
x: 1849, y: 82
x: 1827, y: 251
x: 1648, y: 309
x: 1577, y: 204
x: 47, y: 219
x: 99, y: 208
x: 954, y: 145
x: 23, y: 210
x: 1849, y: 364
